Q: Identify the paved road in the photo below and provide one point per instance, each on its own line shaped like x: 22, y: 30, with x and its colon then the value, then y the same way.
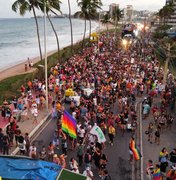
x: 119, y: 167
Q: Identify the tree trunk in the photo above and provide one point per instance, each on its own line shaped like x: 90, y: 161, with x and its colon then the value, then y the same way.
x: 57, y: 39
x: 71, y: 28
x: 107, y: 26
x: 116, y: 28
x: 38, y: 35
x: 90, y: 26
x: 84, y: 34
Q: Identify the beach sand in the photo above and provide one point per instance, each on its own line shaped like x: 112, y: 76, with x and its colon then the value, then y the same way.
x: 20, y: 68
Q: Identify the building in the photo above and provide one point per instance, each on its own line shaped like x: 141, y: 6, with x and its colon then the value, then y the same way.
x: 172, y: 20
x: 112, y: 9
x: 128, y: 13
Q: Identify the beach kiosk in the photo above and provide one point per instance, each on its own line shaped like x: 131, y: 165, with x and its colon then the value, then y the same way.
x: 21, y: 167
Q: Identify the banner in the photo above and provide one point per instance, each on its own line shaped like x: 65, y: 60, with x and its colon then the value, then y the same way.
x: 98, y: 132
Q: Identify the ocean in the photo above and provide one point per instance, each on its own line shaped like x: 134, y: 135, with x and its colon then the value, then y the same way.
x: 18, y: 38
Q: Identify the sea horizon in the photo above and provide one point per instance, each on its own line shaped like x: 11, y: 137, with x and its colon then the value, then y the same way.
x: 19, y: 38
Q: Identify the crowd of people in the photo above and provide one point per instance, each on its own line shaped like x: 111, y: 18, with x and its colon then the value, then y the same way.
x: 166, y: 167
x: 117, y: 77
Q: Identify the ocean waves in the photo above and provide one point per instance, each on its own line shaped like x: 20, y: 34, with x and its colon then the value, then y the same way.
x: 18, y: 38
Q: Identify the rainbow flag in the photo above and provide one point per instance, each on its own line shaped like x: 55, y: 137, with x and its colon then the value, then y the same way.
x: 69, y: 124
x: 157, y: 175
x: 136, y: 153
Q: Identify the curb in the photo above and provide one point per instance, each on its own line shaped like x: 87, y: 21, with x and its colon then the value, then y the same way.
x: 33, y: 131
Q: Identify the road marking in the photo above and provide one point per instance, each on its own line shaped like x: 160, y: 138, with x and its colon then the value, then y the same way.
x: 141, y: 145
x: 133, y: 162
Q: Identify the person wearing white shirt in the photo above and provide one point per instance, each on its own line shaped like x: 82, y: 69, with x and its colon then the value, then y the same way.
x: 88, y: 173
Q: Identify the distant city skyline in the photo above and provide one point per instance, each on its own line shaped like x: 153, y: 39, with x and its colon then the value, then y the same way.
x: 152, y: 5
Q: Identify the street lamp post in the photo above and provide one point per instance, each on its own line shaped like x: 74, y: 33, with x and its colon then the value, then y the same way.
x: 98, y: 32
x: 45, y: 51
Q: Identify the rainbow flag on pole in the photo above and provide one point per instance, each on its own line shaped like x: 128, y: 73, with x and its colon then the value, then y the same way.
x: 69, y: 124
x: 136, y: 153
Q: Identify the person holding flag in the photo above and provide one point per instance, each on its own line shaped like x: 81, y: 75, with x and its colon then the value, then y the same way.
x: 157, y: 173
x: 136, y: 154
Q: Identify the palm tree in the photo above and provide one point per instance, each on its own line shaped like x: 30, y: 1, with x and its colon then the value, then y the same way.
x: 92, y: 13
x: 28, y: 5
x: 71, y: 27
x: 87, y: 12
x: 51, y: 5
x: 105, y: 20
x: 117, y: 15
x: 83, y: 13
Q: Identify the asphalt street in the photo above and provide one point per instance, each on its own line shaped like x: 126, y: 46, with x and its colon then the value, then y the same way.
x: 118, y: 165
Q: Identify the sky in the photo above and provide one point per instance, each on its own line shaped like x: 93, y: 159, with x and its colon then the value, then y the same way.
x: 153, y: 5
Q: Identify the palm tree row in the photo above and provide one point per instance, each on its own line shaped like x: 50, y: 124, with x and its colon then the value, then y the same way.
x: 24, y: 6
x: 88, y: 11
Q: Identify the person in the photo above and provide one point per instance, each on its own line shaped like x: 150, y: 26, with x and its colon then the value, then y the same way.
x: 56, y: 159
x: 25, y: 67
x: 157, y: 136
x: 34, y: 112
x: 50, y: 151
x: 22, y: 145
x: 56, y: 139
x: 130, y: 154
x: 33, y: 151
x: 171, y: 174
x: 163, y: 156
x: 5, y: 145
x: 103, y: 163
x: 64, y: 144
x: 24, y: 114
x: 27, y: 139
x: 150, y: 132
x: 106, y: 175
x: 43, y: 153
x: 62, y: 161
x: 111, y: 134
x: 157, y: 173
x: 173, y: 156
x: 80, y: 151
x: 96, y: 157
x: 87, y: 158
x: 17, y: 132
x: 73, y: 165
x: 1, y: 140
x: 87, y: 172
x: 150, y: 169
x: 146, y: 109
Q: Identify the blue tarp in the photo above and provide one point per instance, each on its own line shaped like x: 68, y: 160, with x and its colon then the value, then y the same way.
x: 24, y: 168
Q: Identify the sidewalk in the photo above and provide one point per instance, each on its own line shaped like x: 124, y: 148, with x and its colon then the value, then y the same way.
x: 26, y: 126
x: 167, y: 139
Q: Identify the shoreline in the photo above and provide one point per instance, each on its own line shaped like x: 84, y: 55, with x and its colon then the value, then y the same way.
x: 19, y: 69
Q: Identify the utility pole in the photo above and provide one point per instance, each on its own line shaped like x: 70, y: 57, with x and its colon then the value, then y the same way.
x: 45, y: 50
x: 166, y: 64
